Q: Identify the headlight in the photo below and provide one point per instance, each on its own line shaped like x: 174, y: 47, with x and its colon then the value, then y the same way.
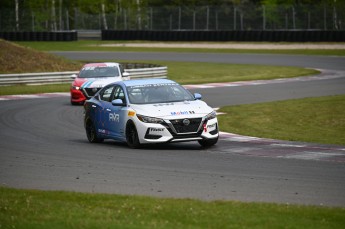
x: 210, y: 116
x: 75, y: 87
x: 149, y: 119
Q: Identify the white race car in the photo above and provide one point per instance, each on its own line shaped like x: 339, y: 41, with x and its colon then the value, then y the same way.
x: 149, y: 111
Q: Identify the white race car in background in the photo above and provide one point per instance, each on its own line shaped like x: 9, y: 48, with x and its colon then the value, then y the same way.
x: 149, y: 111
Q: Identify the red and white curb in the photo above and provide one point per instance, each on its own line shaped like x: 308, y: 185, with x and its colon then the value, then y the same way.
x: 265, y: 147
x: 325, y: 74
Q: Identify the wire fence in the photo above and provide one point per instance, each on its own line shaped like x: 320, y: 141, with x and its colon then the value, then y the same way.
x: 229, y: 17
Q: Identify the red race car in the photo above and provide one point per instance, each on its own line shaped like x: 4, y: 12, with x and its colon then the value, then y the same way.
x: 92, y: 77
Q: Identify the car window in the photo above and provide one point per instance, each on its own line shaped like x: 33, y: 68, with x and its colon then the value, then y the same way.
x: 119, y: 94
x: 105, y: 94
x: 158, y: 93
x: 94, y: 72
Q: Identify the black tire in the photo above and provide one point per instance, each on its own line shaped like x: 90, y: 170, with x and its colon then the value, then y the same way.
x: 76, y: 103
x: 132, y: 136
x: 91, y: 132
x: 208, y: 142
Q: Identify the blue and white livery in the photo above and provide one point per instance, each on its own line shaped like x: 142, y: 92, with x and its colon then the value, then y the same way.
x: 149, y: 111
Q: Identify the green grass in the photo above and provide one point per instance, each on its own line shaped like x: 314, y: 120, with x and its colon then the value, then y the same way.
x: 18, y: 59
x: 53, y: 209
x: 199, y: 73
x: 93, y: 45
x: 319, y: 120
x: 191, y: 73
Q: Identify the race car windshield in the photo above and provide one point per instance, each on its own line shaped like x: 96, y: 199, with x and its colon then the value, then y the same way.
x: 158, y: 93
x: 96, y: 72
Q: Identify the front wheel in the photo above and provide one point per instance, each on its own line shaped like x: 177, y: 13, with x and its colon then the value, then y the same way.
x: 132, y: 136
x: 208, y: 142
x: 91, y: 133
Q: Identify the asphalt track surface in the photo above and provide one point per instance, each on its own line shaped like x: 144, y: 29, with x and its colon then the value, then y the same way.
x: 43, y: 146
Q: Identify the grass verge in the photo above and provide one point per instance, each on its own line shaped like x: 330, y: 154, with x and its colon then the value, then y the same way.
x: 199, y: 73
x: 319, y: 120
x: 94, y: 45
x: 190, y: 73
x: 53, y: 209
x: 19, y: 59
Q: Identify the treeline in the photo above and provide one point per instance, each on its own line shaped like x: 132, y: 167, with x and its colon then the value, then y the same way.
x: 95, y: 6
x: 54, y: 15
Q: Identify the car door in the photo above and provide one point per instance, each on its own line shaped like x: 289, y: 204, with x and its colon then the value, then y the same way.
x: 100, y: 110
x: 116, y: 114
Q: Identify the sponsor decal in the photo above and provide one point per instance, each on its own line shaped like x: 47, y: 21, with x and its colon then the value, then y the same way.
x: 113, y: 117
x: 102, y: 131
x: 156, y: 129
x: 162, y: 104
x: 182, y: 112
x: 152, y: 85
x: 211, y: 127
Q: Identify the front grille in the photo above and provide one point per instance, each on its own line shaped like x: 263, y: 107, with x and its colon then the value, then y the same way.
x: 180, y: 127
x: 89, y: 92
x: 185, y: 136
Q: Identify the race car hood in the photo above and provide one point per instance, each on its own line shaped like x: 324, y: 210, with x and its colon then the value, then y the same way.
x: 97, y: 82
x: 79, y: 81
x: 188, y: 109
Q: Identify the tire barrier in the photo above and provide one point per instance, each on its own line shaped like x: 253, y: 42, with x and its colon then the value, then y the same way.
x: 247, y: 35
x: 40, y: 36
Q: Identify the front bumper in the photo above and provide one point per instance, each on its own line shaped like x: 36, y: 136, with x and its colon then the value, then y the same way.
x: 77, y: 96
x: 176, y: 131
x: 82, y: 94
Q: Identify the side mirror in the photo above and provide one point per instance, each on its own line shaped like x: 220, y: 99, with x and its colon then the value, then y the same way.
x: 118, y: 102
x: 197, y: 96
x: 74, y: 76
x: 125, y: 75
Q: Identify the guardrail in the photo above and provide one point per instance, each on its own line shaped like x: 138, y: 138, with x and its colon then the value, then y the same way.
x: 158, y: 72
x: 65, y: 77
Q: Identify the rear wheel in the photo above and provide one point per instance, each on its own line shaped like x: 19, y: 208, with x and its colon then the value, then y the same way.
x: 132, y: 136
x: 91, y: 132
x: 208, y: 142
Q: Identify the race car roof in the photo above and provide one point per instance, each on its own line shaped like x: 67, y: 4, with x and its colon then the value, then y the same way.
x: 130, y: 83
x: 103, y: 64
